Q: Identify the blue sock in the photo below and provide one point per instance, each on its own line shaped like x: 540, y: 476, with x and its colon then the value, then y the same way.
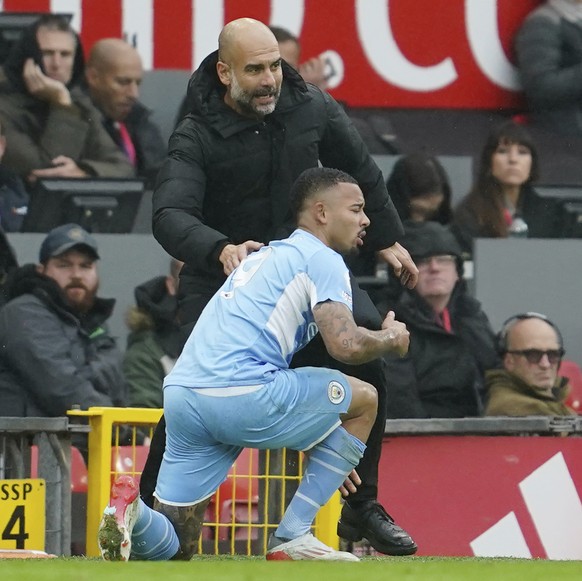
x: 330, y: 462
x: 153, y: 537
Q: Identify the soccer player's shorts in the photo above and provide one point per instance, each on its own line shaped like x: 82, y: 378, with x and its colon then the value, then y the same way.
x: 206, y: 429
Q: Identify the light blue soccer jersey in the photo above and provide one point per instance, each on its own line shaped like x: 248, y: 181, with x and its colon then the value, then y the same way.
x: 262, y: 314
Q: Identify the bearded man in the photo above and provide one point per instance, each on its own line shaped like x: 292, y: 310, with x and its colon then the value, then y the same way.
x: 56, y: 352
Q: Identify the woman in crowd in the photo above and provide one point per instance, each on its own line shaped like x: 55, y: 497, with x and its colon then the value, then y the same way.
x: 420, y: 189
x: 502, y: 201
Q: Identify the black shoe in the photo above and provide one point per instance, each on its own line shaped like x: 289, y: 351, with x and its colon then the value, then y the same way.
x: 369, y: 520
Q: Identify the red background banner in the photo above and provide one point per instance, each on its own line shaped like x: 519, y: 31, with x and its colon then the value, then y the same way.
x: 425, y: 32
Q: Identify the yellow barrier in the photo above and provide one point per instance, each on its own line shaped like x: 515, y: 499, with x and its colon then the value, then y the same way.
x: 244, y: 510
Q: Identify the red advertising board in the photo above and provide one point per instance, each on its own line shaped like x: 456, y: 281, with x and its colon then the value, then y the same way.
x: 380, y: 53
x: 486, y: 495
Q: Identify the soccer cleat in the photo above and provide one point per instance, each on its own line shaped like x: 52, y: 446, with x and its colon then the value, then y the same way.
x: 304, y: 548
x: 118, y: 520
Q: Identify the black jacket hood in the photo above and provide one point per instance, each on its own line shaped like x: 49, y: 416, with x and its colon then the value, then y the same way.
x: 27, y: 47
x: 152, y: 297
x: 154, y: 303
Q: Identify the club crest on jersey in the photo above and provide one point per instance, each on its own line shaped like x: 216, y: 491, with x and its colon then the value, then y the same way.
x: 336, y: 392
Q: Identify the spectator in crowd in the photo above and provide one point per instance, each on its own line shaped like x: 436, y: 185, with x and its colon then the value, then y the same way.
x: 8, y: 263
x: 548, y: 47
x: 113, y: 74
x: 155, y: 340
x: 232, y: 387
x: 420, y: 189
x: 312, y: 70
x: 502, y: 201
x: 531, y: 348
x: 56, y: 351
x: 52, y: 129
x: 452, y: 343
x: 13, y: 195
x: 375, y: 130
x: 223, y: 192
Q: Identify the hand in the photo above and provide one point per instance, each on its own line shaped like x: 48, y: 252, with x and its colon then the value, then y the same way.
x: 233, y: 254
x: 43, y: 87
x: 350, y: 483
x: 399, y: 259
x: 63, y: 167
x: 312, y: 71
x: 398, y: 332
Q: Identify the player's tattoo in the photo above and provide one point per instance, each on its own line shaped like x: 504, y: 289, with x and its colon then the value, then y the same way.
x: 350, y: 343
x: 187, y: 522
x: 334, y: 319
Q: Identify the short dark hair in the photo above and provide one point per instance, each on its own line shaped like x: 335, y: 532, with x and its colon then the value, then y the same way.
x: 283, y: 35
x: 314, y: 180
x: 55, y: 22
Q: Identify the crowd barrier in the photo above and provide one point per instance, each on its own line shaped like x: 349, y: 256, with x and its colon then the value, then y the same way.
x: 36, y: 447
x: 240, y: 516
x: 503, y: 487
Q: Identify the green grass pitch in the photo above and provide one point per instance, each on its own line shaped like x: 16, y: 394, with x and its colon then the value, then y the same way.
x: 257, y: 569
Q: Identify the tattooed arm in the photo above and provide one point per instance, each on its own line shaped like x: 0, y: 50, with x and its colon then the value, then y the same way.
x: 348, y: 343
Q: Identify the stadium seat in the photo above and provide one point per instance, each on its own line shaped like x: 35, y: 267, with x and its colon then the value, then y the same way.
x: 572, y: 371
x: 228, y: 510
x: 79, y: 478
x: 128, y: 460
x: 241, y: 483
x: 234, y: 516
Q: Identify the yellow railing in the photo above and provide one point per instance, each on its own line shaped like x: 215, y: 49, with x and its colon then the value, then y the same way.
x: 243, y: 511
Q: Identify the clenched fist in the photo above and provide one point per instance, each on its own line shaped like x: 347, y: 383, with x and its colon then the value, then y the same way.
x: 398, y: 332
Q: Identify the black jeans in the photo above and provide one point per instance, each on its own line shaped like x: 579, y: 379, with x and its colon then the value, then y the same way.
x: 314, y: 354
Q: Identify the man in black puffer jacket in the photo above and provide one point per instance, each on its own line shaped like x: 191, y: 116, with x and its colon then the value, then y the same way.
x: 253, y: 126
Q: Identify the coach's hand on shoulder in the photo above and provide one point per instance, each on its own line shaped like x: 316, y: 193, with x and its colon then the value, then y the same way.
x: 398, y: 334
x: 233, y: 254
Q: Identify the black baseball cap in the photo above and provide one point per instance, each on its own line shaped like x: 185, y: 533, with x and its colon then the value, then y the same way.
x: 62, y: 238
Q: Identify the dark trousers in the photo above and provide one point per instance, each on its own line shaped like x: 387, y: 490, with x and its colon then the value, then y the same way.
x: 314, y: 354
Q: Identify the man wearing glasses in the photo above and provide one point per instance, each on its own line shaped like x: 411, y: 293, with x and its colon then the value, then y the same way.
x: 452, y: 343
x: 531, y: 348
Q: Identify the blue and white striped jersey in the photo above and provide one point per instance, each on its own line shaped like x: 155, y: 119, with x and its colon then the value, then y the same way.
x: 262, y: 314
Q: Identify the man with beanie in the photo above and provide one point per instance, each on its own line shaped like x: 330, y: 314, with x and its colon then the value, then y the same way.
x: 451, y: 340
x: 55, y: 351
x: 51, y: 127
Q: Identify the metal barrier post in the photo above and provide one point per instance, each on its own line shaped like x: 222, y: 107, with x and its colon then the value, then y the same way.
x: 326, y: 521
x: 101, y: 420
x: 53, y: 437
